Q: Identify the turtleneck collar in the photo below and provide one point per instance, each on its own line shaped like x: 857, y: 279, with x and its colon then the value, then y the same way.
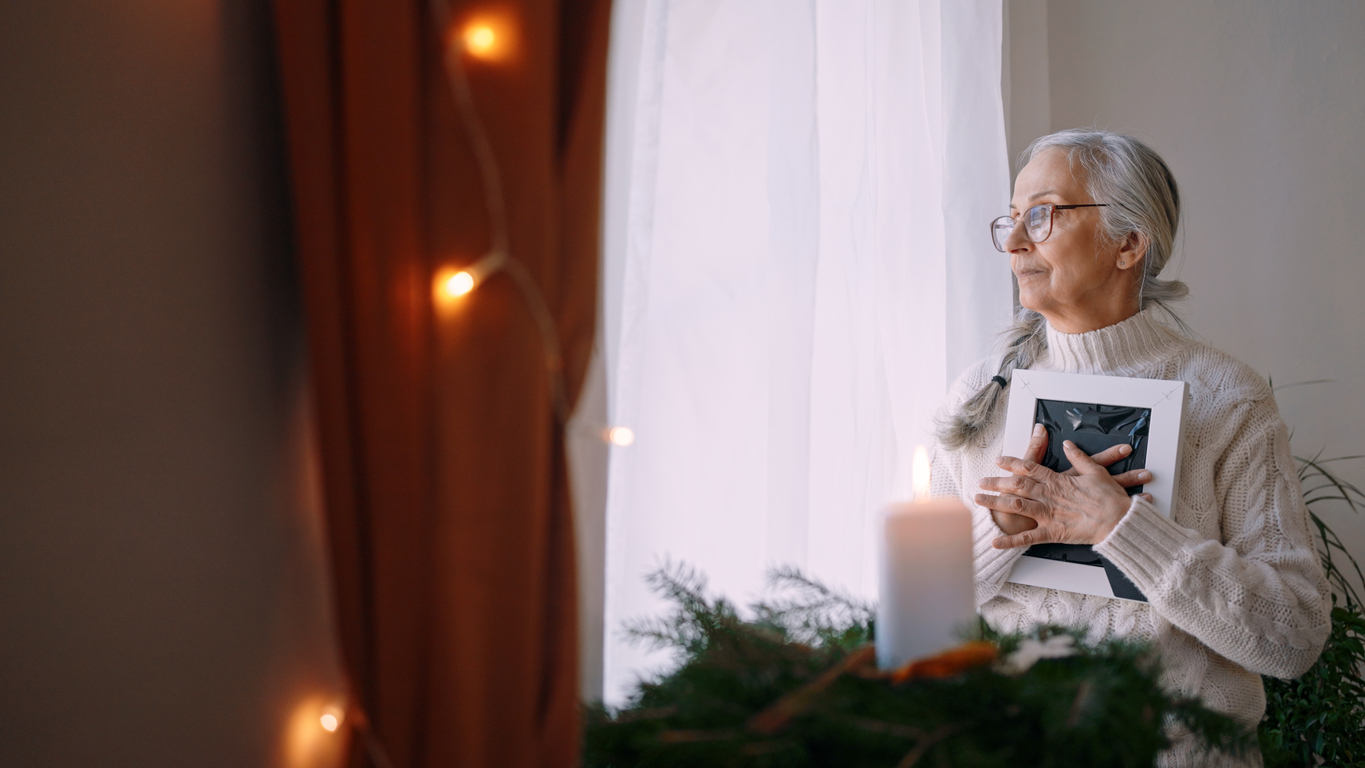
x: 1121, y: 348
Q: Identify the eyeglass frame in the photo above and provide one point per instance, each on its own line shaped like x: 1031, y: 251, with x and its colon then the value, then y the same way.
x: 1050, y: 214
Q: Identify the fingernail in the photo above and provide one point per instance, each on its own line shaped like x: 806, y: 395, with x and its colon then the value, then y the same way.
x: 1039, y: 430
x: 1125, y: 449
x: 1068, y: 444
x: 1144, y: 475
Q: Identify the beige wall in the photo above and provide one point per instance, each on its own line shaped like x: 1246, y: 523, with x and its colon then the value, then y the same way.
x: 1259, y: 108
x: 160, y: 592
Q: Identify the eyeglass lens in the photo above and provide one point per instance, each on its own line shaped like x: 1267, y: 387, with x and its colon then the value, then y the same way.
x: 1037, y: 225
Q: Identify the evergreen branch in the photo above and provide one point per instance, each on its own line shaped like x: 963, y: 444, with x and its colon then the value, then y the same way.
x: 746, y: 693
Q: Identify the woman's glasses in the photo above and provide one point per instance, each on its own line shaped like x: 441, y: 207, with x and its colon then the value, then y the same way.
x: 1037, y: 223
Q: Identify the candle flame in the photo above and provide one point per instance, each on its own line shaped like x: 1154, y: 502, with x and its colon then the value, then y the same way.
x: 919, y: 473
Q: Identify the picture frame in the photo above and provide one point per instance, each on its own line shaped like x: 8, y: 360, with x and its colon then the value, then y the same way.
x: 1096, y: 412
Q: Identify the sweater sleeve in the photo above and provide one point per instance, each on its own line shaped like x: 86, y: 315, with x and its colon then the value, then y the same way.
x: 992, y: 565
x: 1258, y: 597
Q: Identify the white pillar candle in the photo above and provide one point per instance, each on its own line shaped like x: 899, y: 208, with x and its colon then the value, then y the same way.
x: 927, y: 599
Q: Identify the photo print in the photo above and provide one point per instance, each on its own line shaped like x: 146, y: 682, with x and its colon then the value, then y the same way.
x: 1093, y: 428
x: 1095, y: 413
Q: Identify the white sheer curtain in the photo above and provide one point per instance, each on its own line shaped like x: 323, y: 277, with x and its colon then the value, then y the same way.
x: 797, y: 264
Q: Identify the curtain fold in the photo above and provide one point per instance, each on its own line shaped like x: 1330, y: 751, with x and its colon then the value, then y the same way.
x: 804, y: 188
x: 448, y: 512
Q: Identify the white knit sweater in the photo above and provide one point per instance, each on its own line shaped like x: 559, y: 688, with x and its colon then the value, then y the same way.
x: 1236, y: 589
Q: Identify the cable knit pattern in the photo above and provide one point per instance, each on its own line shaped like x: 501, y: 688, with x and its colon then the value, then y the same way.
x: 1235, y: 586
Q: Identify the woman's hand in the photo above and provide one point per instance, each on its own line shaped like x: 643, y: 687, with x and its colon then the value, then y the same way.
x: 1080, y: 506
x: 1011, y: 523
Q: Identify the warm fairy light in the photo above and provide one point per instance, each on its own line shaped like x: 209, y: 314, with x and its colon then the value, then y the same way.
x: 480, y: 39
x: 308, y: 737
x: 332, y: 718
x: 621, y: 436
x: 451, y: 284
x: 919, y: 473
x: 459, y: 284
x: 488, y: 37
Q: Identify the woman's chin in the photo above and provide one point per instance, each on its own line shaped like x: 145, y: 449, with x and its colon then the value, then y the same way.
x: 1032, y: 298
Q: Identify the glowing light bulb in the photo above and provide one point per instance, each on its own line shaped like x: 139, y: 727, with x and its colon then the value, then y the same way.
x: 621, y: 436
x: 480, y: 40
x: 332, y: 718
x: 919, y: 473
x: 450, y: 284
x: 459, y: 284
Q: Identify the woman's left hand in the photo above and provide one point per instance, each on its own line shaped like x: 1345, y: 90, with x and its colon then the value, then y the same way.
x: 1080, y: 508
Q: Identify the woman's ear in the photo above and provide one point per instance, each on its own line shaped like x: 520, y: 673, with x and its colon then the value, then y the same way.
x: 1132, y: 250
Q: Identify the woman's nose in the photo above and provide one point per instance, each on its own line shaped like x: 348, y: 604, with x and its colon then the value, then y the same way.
x: 1018, y: 239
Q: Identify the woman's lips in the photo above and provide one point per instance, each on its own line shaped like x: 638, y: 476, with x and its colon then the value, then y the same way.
x: 1023, y: 273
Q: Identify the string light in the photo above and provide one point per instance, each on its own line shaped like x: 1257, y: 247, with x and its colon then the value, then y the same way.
x: 310, y: 734
x: 332, y: 718
x: 622, y: 436
x: 459, y: 284
x: 491, y: 38
x: 452, y: 283
x: 480, y: 40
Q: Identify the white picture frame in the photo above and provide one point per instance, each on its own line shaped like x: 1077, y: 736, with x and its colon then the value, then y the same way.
x: 1166, y: 401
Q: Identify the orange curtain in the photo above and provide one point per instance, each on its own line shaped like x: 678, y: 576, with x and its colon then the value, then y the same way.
x: 447, y: 502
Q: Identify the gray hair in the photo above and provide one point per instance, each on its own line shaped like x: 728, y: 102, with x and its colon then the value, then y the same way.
x: 1142, y: 197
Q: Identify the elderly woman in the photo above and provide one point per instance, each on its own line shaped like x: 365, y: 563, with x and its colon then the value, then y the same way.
x: 1235, y: 588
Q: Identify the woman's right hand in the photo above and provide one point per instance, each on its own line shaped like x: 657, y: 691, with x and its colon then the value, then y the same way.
x: 1037, y: 449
